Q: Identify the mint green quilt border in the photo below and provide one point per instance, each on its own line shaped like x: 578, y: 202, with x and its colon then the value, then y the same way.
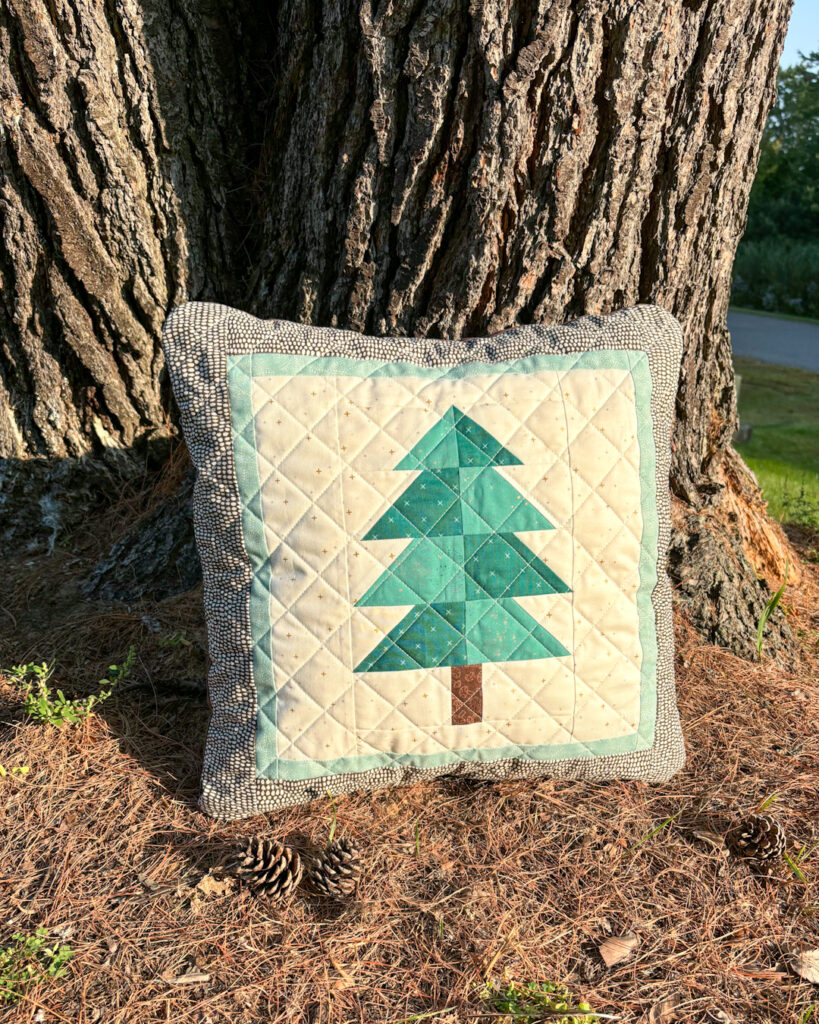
x: 241, y: 369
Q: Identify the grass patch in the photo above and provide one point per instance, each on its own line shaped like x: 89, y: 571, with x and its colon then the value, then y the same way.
x: 53, y: 707
x: 782, y: 405
x: 524, y: 1004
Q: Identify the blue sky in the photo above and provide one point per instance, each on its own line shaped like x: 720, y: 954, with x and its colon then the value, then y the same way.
x: 803, y: 31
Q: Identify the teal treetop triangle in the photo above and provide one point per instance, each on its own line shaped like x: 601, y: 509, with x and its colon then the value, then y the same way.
x: 437, y: 449
x: 464, y: 565
x: 455, y: 441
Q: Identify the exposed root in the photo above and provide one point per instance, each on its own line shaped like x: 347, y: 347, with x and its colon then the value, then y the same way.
x: 763, y: 540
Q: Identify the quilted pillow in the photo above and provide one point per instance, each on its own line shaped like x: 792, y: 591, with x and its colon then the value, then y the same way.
x: 425, y: 557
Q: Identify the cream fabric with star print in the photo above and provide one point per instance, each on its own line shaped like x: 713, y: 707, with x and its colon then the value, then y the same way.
x: 344, y: 436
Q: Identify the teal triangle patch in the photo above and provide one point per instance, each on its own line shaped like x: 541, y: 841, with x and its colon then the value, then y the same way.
x: 427, y: 636
x: 473, y: 438
x: 503, y: 631
x: 427, y: 571
x: 490, y: 504
x: 456, y: 440
x: 502, y: 566
x: 437, y: 449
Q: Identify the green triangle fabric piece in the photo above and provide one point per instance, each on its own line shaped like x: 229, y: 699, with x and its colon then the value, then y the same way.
x: 469, y: 455
x: 473, y: 438
x: 429, y: 635
x: 429, y: 505
x: 490, y: 504
x: 437, y: 449
x: 392, y: 525
x: 503, y: 631
x: 427, y: 570
x: 455, y: 441
x: 502, y: 566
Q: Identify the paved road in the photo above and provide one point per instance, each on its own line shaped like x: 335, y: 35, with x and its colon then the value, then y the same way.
x: 786, y: 342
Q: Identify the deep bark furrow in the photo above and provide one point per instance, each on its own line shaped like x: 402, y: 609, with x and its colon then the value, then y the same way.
x: 451, y: 187
x: 419, y: 185
x: 115, y: 219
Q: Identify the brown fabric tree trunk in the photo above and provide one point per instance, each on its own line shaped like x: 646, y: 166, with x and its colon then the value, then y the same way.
x: 467, y: 694
x: 402, y: 167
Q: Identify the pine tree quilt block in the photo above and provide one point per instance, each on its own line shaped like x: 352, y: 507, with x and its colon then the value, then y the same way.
x: 463, y: 565
x: 424, y: 557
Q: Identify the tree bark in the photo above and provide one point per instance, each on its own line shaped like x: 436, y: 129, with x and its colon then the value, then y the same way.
x: 430, y: 167
x: 123, y: 147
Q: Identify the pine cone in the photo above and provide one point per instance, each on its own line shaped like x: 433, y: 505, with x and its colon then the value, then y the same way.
x: 759, y: 839
x: 335, y: 871
x: 270, y: 867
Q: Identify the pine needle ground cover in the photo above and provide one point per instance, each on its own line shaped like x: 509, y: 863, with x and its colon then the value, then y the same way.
x: 474, y: 897
x: 782, y: 405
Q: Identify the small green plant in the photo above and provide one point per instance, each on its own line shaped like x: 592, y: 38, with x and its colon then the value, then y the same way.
x: 52, y: 707
x: 538, y: 1000
x: 22, y: 769
x: 765, y: 803
x: 793, y: 864
x: 29, y: 960
x: 768, y: 611
x: 176, y: 639
x: 655, y: 831
x: 799, y: 855
x: 22, y: 676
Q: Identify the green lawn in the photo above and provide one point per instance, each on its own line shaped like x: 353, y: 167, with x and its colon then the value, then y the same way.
x: 782, y: 406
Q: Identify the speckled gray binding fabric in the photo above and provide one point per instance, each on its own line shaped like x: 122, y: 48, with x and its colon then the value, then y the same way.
x: 198, y: 340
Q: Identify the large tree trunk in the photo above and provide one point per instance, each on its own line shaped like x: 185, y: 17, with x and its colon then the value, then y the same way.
x: 125, y: 129
x: 409, y: 166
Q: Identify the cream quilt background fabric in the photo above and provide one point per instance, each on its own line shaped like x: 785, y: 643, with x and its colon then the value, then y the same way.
x: 576, y: 435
